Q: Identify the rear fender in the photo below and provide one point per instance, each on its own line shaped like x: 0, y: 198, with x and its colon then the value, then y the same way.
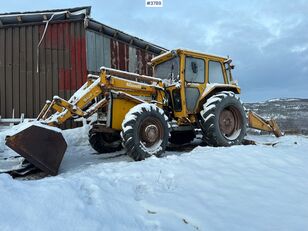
x: 212, y: 89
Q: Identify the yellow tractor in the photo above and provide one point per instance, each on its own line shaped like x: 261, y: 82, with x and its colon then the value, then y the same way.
x: 190, y: 91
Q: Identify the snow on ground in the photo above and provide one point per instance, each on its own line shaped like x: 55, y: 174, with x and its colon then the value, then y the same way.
x: 237, y: 188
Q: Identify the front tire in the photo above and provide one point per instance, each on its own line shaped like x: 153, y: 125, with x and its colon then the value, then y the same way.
x: 223, y: 120
x: 105, y: 143
x: 145, y: 131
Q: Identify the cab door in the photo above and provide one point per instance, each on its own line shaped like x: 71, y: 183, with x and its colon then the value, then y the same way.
x: 194, y: 80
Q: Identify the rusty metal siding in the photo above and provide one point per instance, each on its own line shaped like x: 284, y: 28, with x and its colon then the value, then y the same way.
x: 66, y: 55
x: 103, y: 50
x: 114, y: 47
x: 141, y: 64
x: 61, y: 67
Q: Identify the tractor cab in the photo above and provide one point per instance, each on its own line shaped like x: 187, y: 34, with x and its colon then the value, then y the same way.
x: 192, y: 77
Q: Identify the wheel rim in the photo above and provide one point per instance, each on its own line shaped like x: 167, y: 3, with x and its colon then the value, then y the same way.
x: 151, y: 132
x: 230, y: 121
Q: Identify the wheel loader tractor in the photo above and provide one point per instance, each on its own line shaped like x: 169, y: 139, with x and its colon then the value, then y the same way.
x: 190, y: 91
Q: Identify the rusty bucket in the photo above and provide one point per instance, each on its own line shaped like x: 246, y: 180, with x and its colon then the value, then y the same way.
x: 42, y: 147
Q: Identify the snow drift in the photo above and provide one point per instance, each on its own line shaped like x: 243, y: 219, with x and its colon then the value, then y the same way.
x: 236, y: 188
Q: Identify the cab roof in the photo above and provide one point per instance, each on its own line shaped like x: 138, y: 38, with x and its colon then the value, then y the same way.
x: 172, y: 53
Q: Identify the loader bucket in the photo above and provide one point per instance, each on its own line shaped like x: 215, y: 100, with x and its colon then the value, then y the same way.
x: 42, y: 147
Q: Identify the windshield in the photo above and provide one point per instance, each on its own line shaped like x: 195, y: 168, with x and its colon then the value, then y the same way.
x: 168, y: 69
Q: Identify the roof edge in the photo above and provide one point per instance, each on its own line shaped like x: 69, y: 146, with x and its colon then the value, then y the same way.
x: 74, y: 9
x: 112, y: 32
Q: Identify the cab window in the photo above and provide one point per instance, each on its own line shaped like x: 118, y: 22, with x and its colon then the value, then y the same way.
x: 194, y: 70
x: 168, y: 69
x: 215, y: 72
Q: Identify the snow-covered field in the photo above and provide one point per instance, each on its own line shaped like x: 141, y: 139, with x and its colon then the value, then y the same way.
x: 238, y: 188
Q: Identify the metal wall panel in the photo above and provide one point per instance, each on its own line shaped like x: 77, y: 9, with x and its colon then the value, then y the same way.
x: 91, y: 49
x: 8, y: 71
x: 132, y: 67
x: 103, y: 50
x: 114, y: 49
x: 98, y: 51
x: 61, y: 65
x: 143, y: 59
x: 106, y: 52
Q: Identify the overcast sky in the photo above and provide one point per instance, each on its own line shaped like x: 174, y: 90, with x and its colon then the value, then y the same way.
x: 267, y: 40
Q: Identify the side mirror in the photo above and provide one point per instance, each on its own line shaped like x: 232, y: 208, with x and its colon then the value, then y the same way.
x: 194, y: 67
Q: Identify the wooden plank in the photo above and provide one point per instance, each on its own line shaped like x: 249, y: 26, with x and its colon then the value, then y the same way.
x: 42, y: 71
x: 48, y: 63
x: 150, y: 68
x: 126, y: 56
x: 2, y: 73
x: 54, y: 58
x: 83, y: 55
x: 36, y: 69
x: 67, y: 64
x: 23, y: 71
x: 78, y: 55
x: 73, y: 44
x: 8, y: 72
x: 141, y: 63
x: 61, y: 51
x: 144, y: 63
x: 16, y: 66
x: 30, y: 72
x: 121, y: 56
x: 114, y: 53
x: 67, y: 60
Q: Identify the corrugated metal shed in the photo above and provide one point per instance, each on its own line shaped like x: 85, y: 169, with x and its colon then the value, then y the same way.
x: 60, y: 62
x: 72, y: 45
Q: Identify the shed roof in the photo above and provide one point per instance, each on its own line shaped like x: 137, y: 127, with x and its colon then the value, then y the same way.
x: 18, y: 18
x: 77, y: 13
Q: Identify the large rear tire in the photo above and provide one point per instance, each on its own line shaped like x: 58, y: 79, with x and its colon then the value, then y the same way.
x: 105, y: 142
x: 145, y: 131
x: 223, y: 120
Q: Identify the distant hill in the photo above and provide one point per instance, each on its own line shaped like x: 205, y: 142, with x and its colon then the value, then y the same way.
x: 291, y: 114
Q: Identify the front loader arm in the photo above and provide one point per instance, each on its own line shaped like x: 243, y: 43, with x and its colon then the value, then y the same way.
x: 123, y: 83
x: 75, y: 105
